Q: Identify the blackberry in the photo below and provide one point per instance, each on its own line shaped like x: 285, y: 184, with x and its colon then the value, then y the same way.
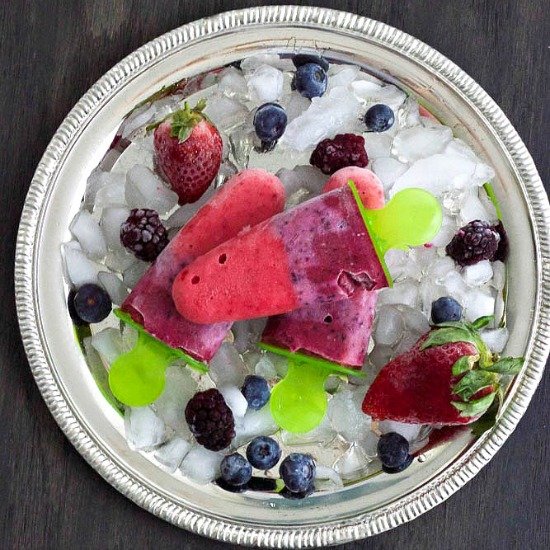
x: 143, y: 234
x: 503, y: 246
x: 474, y: 242
x: 344, y: 150
x: 210, y: 420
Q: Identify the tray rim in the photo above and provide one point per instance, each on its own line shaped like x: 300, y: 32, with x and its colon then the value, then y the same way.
x: 336, y: 532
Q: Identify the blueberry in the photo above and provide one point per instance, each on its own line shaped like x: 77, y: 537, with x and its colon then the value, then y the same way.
x: 255, y: 391
x: 91, y: 303
x: 270, y: 122
x: 297, y: 496
x: 379, y: 118
x: 446, y: 309
x: 263, y: 452
x: 304, y: 58
x: 403, y: 466
x: 310, y: 80
x: 235, y: 469
x: 298, y: 472
x: 72, y: 312
x: 393, y: 450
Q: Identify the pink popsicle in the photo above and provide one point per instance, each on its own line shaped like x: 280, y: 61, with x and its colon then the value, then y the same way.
x: 246, y: 199
x: 338, y: 331
x: 317, y: 252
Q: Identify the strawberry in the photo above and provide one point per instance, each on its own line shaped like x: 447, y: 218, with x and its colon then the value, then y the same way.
x: 449, y: 377
x: 188, y: 151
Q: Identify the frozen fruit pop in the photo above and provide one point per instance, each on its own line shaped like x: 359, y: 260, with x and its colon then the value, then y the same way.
x: 137, y: 377
x: 319, y: 251
x: 340, y: 330
x: 245, y: 200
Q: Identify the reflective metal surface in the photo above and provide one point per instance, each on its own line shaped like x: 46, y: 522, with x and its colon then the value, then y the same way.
x: 59, y: 367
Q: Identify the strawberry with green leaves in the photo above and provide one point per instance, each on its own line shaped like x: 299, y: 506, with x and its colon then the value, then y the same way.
x: 449, y: 377
x: 188, y: 149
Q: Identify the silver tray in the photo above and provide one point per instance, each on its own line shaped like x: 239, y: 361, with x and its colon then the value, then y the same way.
x: 59, y: 367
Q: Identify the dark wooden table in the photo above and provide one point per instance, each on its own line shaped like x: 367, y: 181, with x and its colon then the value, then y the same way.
x: 51, y: 52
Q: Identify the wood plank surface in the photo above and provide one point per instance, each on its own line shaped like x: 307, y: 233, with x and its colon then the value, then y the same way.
x: 51, y: 52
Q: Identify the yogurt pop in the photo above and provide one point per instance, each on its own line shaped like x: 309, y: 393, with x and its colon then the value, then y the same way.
x: 317, y: 252
x: 338, y: 331
x: 246, y: 199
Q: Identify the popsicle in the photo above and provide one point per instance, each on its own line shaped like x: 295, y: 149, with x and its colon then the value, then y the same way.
x: 137, y: 378
x: 317, y: 252
x: 338, y: 331
x: 246, y: 199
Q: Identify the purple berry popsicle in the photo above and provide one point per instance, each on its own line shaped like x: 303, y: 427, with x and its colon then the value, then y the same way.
x: 317, y: 252
x: 248, y: 198
x: 338, y: 331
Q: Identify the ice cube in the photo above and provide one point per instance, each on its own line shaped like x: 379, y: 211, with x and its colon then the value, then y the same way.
x: 265, y: 84
x: 253, y: 424
x: 172, y: 453
x: 247, y: 333
x: 495, y: 338
x: 327, y: 115
x: 120, y: 260
x: 409, y: 431
x: 226, y: 113
x: 406, y: 343
x: 235, y: 400
x: 96, y: 181
x: 134, y: 273
x: 241, y: 143
x: 345, y: 414
x: 326, y: 473
x: 353, y: 464
x: 429, y: 292
x: 295, y: 105
x: 302, y: 177
x: 369, y: 444
x: 404, y: 292
x: 388, y: 170
x: 341, y: 75
x: 108, y: 343
x: 441, y: 172
x: 227, y: 366
x: 111, y: 194
x: 478, y: 303
x: 472, y: 208
x: 488, y: 206
x: 115, y: 288
x: 478, y: 274
x: 129, y: 337
x: 178, y: 390
x: 111, y: 220
x: 80, y: 269
x: 201, y: 465
x: 90, y: 236
x: 371, y: 93
x: 265, y: 368
x: 408, y: 114
x: 184, y: 213
x: 232, y: 83
x: 424, y: 256
x: 323, y: 434
x: 415, y: 321
x: 250, y: 64
x: 378, y: 357
x: 439, y: 269
x: 457, y: 147
x: 389, y: 326
x: 446, y: 233
x: 144, y: 189
x: 455, y: 286
x: 499, y: 275
x: 415, y: 143
x: 377, y: 145
x: 144, y: 429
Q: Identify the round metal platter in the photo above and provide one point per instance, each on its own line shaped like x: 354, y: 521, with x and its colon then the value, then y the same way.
x: 59, y: 366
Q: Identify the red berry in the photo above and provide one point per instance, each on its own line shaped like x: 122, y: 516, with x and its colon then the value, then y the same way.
x: 143, y: 234
x: 188, y: 151
x: 344, y: 150
x: 210, y: 420
x: 473, y: 243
